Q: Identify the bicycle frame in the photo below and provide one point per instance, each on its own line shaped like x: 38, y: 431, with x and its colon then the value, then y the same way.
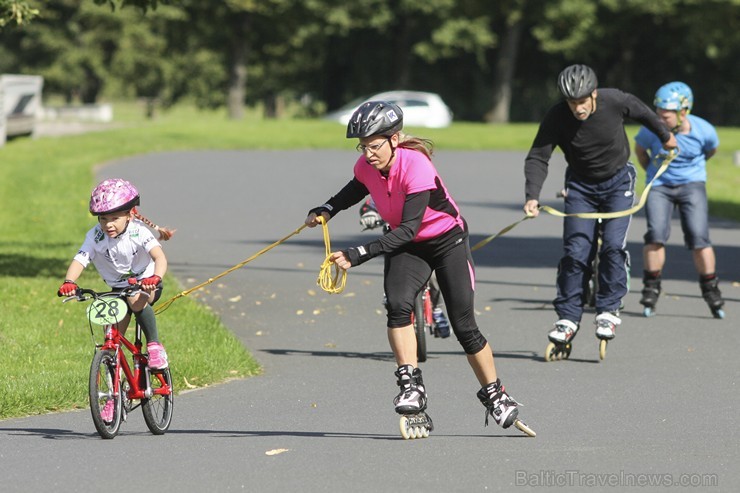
x: 139, y: 379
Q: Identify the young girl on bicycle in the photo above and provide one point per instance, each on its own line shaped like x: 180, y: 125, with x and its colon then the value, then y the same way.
x: 427, y: 234
x: 121, y: 246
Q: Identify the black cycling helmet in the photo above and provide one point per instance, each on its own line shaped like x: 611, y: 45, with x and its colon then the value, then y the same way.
x: 577, y: 81
x: 375, y: 118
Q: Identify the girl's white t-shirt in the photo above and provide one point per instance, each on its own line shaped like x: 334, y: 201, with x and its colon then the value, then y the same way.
x: 117, y: 259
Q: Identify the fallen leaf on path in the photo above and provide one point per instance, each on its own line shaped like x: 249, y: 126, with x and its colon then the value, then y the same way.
x: 276, y: 451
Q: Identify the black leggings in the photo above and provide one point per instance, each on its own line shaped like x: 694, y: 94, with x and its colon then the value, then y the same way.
x: 406, y: 272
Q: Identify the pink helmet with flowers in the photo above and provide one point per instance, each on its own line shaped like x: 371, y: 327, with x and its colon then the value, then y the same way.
x: 113, y: 195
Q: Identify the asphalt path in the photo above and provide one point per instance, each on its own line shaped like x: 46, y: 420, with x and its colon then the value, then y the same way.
x: 660, y: 410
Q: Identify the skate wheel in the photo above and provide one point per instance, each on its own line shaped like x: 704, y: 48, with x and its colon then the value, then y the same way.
x: 648, y: 312
x: 566, y: 352
x: 557, y: 352
x: 602, y: 348
x: 407, y: 431
x: 550, y: 352
x: 522, y: 426
x: 718, y: 313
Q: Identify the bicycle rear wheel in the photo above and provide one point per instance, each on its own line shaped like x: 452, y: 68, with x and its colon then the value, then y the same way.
x: 105, y: 394
x: 157, y: 409
x: 420, y: 327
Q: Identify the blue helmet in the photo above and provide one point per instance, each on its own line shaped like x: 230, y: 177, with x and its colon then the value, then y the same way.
x: 674, y: 96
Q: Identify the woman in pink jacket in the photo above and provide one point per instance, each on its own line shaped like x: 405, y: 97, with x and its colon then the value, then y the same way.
x: 427, y: 234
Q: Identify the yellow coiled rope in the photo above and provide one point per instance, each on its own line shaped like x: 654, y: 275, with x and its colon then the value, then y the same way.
x: 331, y: 282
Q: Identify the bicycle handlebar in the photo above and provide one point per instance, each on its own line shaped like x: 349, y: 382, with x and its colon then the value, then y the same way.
x: 84, y: 294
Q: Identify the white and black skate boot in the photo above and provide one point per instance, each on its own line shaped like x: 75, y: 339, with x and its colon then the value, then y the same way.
x: 606, y: 325
x: 498, y: 404
x: 412, y: 399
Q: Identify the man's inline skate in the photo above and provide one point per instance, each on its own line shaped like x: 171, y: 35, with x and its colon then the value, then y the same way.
x: 560, y: 340
x: 606, y: 326
x: 712, y: 295
x: 411, y: 403
x: 502, y: 408
x: 650, y: 293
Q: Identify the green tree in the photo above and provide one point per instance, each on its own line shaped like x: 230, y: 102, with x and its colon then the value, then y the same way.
x: 16, y: 12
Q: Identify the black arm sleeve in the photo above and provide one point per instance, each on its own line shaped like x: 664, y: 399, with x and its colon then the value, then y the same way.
x: 353, y: 192
x: 413, y: 212
x: 640, y: 112
x: 537, y: 161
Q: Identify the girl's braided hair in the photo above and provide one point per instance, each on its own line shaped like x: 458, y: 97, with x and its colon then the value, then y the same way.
x: 164, y: 233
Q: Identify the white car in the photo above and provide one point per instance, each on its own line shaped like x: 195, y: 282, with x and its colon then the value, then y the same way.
x: 420, y: 109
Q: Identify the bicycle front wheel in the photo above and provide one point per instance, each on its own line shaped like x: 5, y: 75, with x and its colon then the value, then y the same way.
x: 157, y: 409
x: 419, y: 328
x: 105, y: 394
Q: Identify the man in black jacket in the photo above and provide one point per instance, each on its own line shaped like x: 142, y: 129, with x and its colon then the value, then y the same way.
x: 588, y: 126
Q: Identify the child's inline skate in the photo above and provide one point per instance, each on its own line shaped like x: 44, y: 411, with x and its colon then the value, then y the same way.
x: 606, y: 326
x: 560, y: 340
x: 712, y: 295
x: 502, y: 408
x: 411, y: 402
x: 650, y: 293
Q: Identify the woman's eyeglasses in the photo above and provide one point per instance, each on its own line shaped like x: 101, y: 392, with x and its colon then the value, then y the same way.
x: 373, y: 148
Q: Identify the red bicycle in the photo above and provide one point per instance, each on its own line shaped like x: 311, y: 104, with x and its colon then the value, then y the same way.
x: 115, y: 383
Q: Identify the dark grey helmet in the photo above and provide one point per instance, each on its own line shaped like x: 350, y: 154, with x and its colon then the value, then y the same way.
x: 375, y: 118
x: 577, y: 81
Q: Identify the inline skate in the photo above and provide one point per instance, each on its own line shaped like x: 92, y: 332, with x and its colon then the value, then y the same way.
x: 650, y: 294
x: 560, y: 340
x: 502, y: 408
x: 606, y: 325
x: 712, y: 295
x: 411, y: 403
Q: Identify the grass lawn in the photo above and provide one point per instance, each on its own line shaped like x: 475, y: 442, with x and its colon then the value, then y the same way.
x: 46, y: 347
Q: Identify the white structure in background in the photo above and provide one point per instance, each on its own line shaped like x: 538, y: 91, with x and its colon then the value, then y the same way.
x: 93, y: 113
x: 20, y: 104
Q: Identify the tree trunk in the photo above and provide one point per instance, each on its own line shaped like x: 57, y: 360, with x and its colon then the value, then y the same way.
x: 238, y: 71
x: 401, y: 52
x: 504, y: 71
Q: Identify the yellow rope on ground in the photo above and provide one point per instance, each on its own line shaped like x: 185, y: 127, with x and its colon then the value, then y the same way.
x: 169, y: 302
x: 332, y: 283
x: 508, y: 228
x: 590, y: 215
